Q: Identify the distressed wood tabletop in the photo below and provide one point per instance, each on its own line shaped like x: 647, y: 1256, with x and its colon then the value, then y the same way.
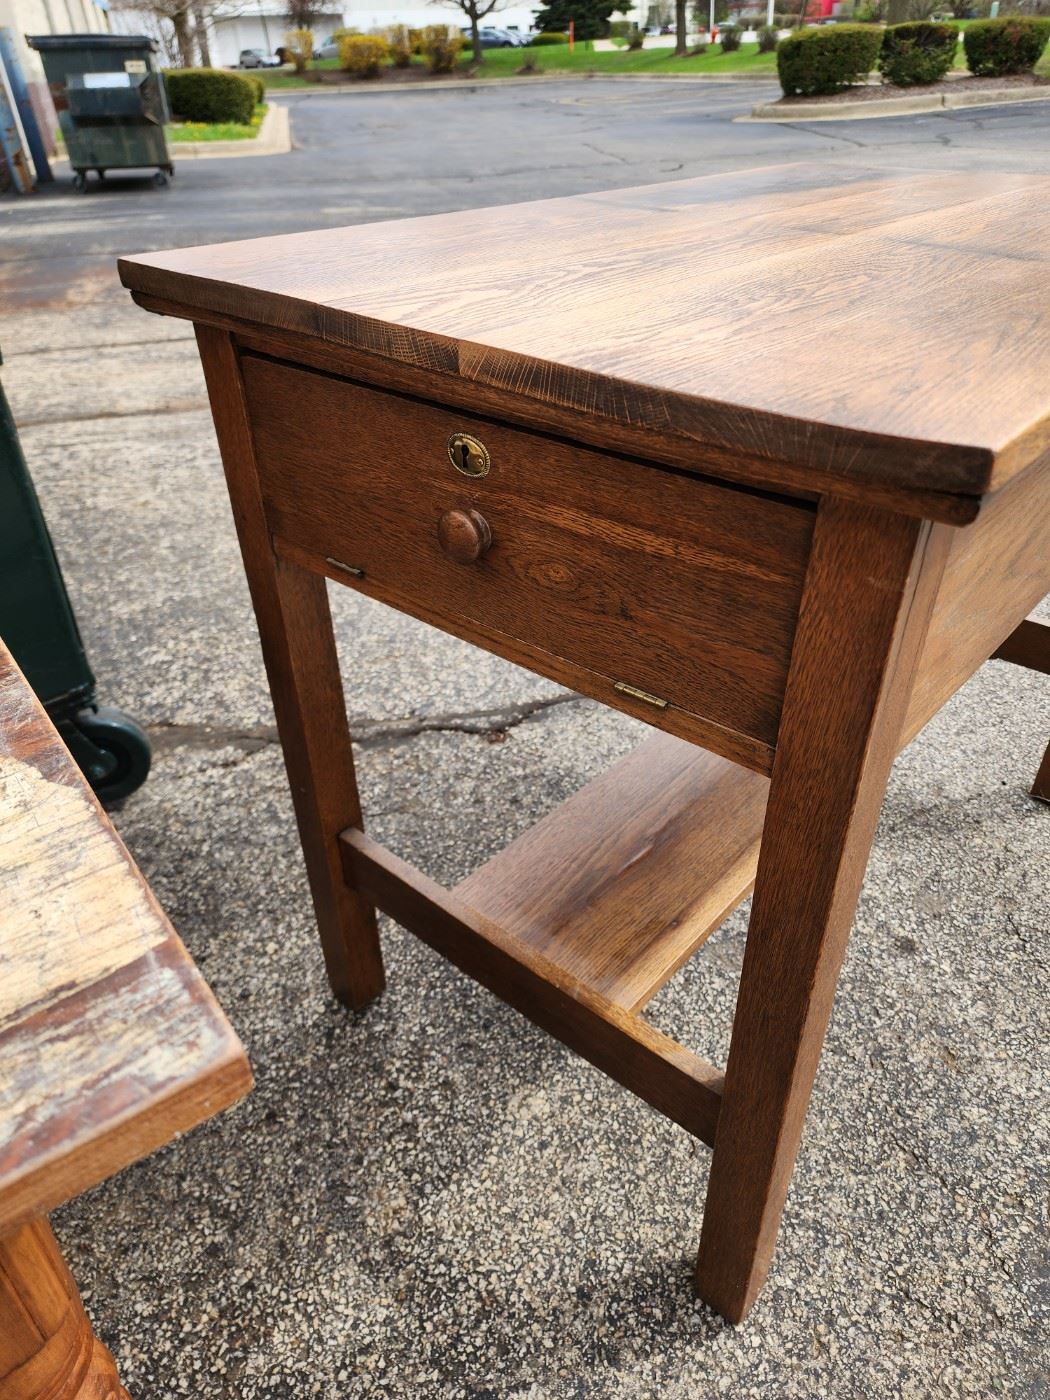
x: 111, y: 1043
x: 880, y: 326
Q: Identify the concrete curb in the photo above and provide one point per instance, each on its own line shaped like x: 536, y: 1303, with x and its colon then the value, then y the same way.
x: 274, y: 139
x: 537, y: 79
x: 894, y: 106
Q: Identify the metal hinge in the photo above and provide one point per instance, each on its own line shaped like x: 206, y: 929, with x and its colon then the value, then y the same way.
x: 346, y: 568
x: 636, y: 694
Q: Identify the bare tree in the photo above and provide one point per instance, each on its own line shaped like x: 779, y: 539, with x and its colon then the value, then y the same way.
x: 475, y: 11
x: 680, y: 22
x: 180, y: 15
x: 200, y: 29
x: 304, y: 14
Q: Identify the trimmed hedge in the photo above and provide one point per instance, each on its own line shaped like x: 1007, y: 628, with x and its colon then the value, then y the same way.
x: 828, y: 59
x: 995, y: 47
x: 730, y: 36
x: 399, y: 40
x: 363, y: 55
x: 258, y: 84
x: 550, y: 37
x: 921, y: 52
x: 442, y: 44
x: 211, y: 95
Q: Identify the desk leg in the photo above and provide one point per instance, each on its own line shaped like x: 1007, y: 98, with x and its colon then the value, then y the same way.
x: 47, y: 1348
x: 864, y: 611
x: 1041, y: 786
x: 295, y: 628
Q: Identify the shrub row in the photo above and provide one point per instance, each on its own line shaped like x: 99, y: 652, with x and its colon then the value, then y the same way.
x: 813, y: 61
x: 827, y: 59
x: 999, y: 46
x: 213, y: 95
x: 917, y: 53
x: 363, y: 55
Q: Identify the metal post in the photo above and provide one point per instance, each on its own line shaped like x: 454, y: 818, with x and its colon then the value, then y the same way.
x: 20, y: 92
x: 11, y: 142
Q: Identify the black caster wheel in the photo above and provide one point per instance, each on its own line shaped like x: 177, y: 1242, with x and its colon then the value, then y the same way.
x: 80, y: 182
x: 160, y: 179
x: 101, y: 175
x: 111, y: 750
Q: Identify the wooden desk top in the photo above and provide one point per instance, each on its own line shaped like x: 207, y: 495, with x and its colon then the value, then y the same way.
x: 886, y: 327
x: 111, y: 1043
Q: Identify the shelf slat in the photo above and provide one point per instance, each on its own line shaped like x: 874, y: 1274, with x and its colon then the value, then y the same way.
x: 623, y: 882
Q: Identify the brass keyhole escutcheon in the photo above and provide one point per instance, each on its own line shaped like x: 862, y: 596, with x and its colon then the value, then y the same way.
x: 468, y: 455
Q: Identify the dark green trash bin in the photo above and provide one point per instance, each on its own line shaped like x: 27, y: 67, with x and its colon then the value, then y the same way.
x: 110, y: 100
x: 40, y: 630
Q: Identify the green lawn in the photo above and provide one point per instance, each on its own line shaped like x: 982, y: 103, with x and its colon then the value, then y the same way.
x: 216, y: 131
x: 557, y: 58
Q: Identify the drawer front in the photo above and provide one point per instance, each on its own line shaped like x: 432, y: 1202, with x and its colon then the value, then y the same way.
x: 678, y: 587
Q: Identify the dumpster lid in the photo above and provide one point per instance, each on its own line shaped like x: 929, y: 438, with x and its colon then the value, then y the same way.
x: 91, y: 41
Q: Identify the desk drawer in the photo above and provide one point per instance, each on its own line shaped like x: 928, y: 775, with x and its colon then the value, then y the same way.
x: 631, y: 573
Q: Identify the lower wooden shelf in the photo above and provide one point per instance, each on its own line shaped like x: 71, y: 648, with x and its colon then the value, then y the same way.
x: 582, y: 918
x: 623, y: 882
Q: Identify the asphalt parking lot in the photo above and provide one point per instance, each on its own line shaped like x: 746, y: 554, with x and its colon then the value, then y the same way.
x: 432, y: 1198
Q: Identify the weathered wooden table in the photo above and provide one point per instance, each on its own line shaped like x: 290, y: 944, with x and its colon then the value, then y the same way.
x: 111, y: 1043
x: 781, y: 515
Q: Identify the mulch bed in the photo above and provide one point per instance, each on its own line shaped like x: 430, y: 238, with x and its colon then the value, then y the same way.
x: 417, y: 73
x: 875, y: 92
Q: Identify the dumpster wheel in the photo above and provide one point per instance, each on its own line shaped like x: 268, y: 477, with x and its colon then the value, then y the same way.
x: 110, y: 749
x: 80, y: 182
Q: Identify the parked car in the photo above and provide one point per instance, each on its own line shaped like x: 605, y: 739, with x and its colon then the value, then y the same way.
x: 258, y: 58
x: 496, y: 38
x: 329, y: 49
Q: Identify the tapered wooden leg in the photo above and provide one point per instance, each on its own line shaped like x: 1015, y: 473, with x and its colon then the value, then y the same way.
x: 867, y: 598
x: 1028, y: 645
x: 1041, y: 786
x: 47, y: 1348
x: 295, y: 628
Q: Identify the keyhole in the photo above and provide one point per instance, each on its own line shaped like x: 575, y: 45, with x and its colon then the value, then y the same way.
x: 468, y: 455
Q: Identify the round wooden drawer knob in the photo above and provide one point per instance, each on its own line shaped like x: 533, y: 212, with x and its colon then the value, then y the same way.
x: 464, y: 535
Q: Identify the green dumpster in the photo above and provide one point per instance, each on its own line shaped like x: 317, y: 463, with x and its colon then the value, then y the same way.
x: 40, y: 630
x: 110, y: 100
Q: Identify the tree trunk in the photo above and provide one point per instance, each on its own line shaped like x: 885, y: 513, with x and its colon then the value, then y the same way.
x: 475, y: 38
x: 680, y: 23
x: 201, y: 30
x: 184, y: 38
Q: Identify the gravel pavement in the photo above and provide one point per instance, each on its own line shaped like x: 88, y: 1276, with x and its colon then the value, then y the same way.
x: 432, y: 1198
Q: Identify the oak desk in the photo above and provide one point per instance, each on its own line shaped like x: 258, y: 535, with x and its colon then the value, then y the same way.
x: 782, y: 519
x: 111, y: 1043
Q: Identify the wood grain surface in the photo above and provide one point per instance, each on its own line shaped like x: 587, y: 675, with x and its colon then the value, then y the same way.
x: 295, y: 630
x: 880, y: 326
x: 993, y: 573
x: 685, y: 589
x: 638, y: 867
x: 864, y: 613
x: 110, y: 1041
